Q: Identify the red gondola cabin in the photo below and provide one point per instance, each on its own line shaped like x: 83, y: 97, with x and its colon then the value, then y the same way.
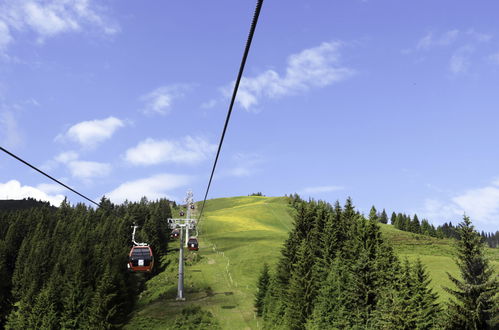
x: 140, y: 259
x: 192, y: 244
x: 175, y: 233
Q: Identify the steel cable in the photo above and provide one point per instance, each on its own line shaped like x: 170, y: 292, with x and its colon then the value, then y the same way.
x: 234, y: 93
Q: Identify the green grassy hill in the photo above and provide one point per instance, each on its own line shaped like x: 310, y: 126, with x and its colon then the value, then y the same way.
x: 236, y: 236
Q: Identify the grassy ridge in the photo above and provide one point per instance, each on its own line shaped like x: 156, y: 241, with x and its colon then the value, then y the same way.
x: 236, y: 236
x: 436, y: 254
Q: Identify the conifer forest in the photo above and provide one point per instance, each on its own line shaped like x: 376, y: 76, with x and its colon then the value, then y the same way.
x: 379, y: 117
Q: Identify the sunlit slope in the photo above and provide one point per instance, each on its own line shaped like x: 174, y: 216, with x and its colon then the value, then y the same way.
x: 236, y: 236
x: 436, y: 254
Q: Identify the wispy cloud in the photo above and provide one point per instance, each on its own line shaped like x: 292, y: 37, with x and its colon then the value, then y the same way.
x: 430, y: 41
x: 88, y: 170
x: 481, y: 204
x: 5, y: 37
x: 494, y: 58
x: 85, y: 170
x: 52, y: 17
x: 246, y: 164
x: 311, y: 68
x: 67, y: 156
x: 460, y: 60
x: 51, y: 188
x: 320, y: 189
x: 91, y: 133
x: 160, y: 100
x: 154, y: 187
x: 10, y: 135
x: 14, y: 190
x: 189, y: 150
x: 461, y: 45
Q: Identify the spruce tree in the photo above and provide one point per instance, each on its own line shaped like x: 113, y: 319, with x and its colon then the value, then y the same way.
x: 423, y: 299
x: 393, y: 219
x: 301, y: 293
x: 383, y: 218
x: 473, y: 306
x: 373, y: 214
x: 263, y: 284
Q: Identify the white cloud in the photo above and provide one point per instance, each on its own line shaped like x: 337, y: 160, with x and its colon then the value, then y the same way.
x: 480, y: 204
x: 430, y: 41
x: 460, y: 60
x: 314, y: 67
x: 51, y: 188
x: 66, y: 157
x: 154, y: 187
x: 80, y: 169
x: 52, y: 17
x: 88, y: 170
x: 494, y: 58
x: 481, y: 37
x: 5, y: 37
x: 92, y: 132
x: 186, y: 151
x: 49, y: 20
x: 160, y: 100
x: 209, y: 104
x: 14, y: 190
x: 10, y: 135
x: 320, y: 189
x: 246, y: 164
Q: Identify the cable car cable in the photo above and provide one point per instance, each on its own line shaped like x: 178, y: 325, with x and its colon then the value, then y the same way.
x: 234, y: 93
x: 48, y: 176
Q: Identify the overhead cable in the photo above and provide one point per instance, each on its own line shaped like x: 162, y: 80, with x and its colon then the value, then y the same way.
x: 234, y: 93
x: 48, y: 176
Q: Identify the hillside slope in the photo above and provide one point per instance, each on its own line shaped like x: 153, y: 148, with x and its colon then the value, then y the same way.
x: 237, y: 235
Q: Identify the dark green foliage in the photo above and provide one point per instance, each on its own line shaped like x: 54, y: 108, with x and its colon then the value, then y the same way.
x: 263, y: 284
x: 415, y: 226
x: 22, y: 204
x: 301, y: 291
x: 424, y: 300
x: 337, y: 272
x: 473, y: 306
x: 409, y: 303
x: 373, y: 214
x: 193, y: 318
x: 383, y: 218
x: 66, y: 267
x: 492, y: 239
x: 393, y: 218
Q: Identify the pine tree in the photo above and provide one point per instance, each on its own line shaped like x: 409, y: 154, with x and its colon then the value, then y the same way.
x: 415, y: 226
x: 424, y: 300
x: 393, y: 219
x: 300, y: 295
x: 473, y: 306
x: 337, y: 303
x: 373, y: 214
x: 263, y: 284
x: 383, y: 218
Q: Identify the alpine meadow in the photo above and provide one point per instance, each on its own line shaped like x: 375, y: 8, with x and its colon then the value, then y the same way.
x: 251, y: 164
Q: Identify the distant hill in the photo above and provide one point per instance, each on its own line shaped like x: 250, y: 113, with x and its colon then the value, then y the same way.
x: 20, y: 204
x: 236, y: 236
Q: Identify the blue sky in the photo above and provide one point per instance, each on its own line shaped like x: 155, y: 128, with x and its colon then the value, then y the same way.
x: 392, y: 103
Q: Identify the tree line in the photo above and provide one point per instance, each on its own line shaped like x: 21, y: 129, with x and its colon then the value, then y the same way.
x: 447, y: 230
x: 66, y: 267
x: 337, y: 271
